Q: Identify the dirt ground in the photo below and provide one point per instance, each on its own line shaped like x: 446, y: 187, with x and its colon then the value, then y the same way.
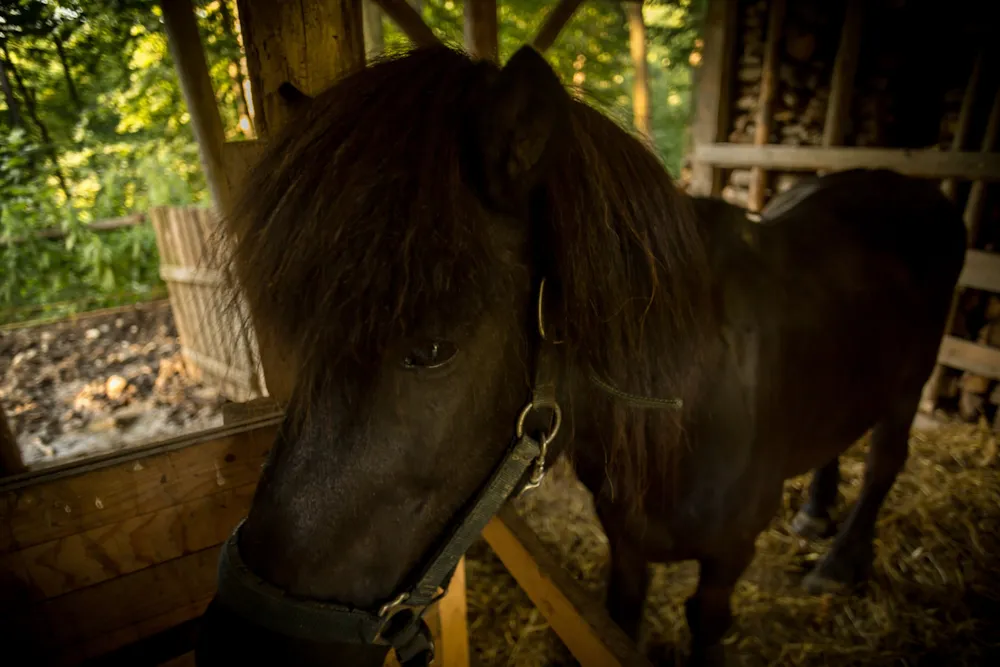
x: 100, y: 383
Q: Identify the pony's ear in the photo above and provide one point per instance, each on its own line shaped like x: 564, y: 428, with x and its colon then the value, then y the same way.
x: 294, y: 97
x: 520, y: 126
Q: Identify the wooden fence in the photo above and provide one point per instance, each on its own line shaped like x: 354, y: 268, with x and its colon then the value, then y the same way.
x: 214, y: 343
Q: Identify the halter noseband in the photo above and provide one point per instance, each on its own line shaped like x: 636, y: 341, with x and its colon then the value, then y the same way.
x: 399, y: 623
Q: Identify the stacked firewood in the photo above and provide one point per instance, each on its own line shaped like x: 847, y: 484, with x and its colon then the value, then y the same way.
x: 809, y: 41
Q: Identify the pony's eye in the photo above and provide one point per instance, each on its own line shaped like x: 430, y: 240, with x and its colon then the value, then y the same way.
x: 430, y: 354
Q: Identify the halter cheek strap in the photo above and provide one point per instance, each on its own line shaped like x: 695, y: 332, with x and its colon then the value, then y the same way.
x: 399, y: 623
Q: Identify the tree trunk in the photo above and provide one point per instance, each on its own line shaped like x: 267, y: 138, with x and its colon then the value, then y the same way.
x: 236, y: 74
x: 640, y: 82
x: 13, y: 107
x: 43, y: 130
x: 374, y: 36
x: 66, y: 73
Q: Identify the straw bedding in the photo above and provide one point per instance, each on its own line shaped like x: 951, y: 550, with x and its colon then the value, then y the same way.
x: 934, y: 597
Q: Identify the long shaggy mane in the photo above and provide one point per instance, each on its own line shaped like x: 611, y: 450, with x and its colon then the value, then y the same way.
x: 357, y: 220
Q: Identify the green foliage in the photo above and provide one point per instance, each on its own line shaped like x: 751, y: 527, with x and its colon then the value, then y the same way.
x: 93, y: 123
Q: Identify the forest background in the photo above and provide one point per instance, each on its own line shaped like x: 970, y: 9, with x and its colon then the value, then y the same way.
x: 94, y: 129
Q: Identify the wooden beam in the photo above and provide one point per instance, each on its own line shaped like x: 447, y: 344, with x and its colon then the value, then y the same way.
x: 765, y: 103
x: 972, y: 357
x: 579, y: 620
x: 961, y: 138
x: 713, y: 89
x: 554, y: 23
x: 481, y: 29
x: 196, y: 84
x: 921, y: 163
x: 981, y: 271
x: 409, y: 21
x: 845, y: 68
x: 11, y: 462
x: 641, y: 114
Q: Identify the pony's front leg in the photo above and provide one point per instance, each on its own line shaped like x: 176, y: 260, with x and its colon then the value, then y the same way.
x: 628, y: 580
x: 709, y: 613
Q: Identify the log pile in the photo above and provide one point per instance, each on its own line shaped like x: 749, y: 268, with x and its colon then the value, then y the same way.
x: 808, y: 41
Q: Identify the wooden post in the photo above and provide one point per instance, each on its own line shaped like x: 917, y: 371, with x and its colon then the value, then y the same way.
x: 554, y: 23
x: 961, y: 137
x: 309, y: 43
x: 765, y: 105
x: 481, y: 29
x: 845, y: 68
x: 641, y: 112
x: 11, y: 462
x: 713, y: 89
x: 196, y: 85
x: 409, y: 21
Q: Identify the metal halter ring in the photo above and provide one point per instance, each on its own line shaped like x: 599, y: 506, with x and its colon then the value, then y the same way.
x: 538, y: 473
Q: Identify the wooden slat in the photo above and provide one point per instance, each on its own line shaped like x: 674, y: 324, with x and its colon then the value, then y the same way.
x: 981, y: 271
x: 713, y: 90
x: 961, y: 139
x: 112, y: 641
x: 579, y: 620
x: 972, y: 357
x: 765, y: 103
x: 974, y: 207
x: 70, y: 563
x: 554, y: 22
x: 845, y: 68
x: 923, y: 163
x: 128, y: 600
x: 39, y: 511
x: 190, y: 274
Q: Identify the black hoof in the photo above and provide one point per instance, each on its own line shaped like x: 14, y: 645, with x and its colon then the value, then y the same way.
x: 839, y: 571
x: 810, y: 527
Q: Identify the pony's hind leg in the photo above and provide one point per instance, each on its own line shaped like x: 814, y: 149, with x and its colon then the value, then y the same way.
x: 850, y: 558
x: 813, y: 520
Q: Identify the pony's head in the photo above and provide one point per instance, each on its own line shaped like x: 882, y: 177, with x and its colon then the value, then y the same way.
x: 394, y: 239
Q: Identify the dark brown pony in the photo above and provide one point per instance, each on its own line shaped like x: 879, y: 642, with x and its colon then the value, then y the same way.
x: 394, y: 240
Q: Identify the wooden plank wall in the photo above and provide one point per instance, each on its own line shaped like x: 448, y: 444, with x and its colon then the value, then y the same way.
x: 97, y: 554
x: 214, y: 343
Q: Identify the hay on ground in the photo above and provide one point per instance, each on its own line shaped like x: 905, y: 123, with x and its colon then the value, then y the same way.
x: 934, y: 597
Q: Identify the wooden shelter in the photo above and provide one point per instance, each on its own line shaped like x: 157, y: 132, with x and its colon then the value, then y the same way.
x: 115, y: 556
x: 791, y: 87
